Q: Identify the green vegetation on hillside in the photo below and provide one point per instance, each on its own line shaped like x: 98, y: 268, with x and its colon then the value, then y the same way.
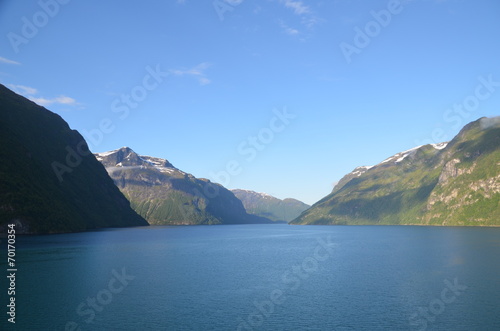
x: 457, y: 185
x: 164, y: 195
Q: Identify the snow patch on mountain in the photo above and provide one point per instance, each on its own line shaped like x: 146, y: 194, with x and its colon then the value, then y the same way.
x: 260, y: 194
x: 402, y: 158
x: 361, y: 170
x: 106, y: 153
x: 440, y: 145
x: 403, y: 155
x: 265, y: 195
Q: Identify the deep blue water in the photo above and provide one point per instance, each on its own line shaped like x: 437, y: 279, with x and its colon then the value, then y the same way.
x: 258, y: 277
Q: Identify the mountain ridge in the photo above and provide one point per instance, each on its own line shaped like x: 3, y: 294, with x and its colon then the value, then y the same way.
x: 265, y: 205
x: 52, y: 183
x: 454, y: 183
x: 165, y: 195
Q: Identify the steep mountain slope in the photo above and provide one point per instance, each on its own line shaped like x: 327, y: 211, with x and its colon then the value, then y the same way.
x: 163, y: 194
x: 264, y: 205
x: 445, y: 184
x: 49, y: 180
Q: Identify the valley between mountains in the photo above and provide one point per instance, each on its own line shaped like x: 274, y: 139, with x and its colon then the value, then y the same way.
x: 51, y: 183
x: 165, y: 195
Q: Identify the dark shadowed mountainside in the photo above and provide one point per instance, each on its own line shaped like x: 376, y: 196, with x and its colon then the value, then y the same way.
x: 49, y: 180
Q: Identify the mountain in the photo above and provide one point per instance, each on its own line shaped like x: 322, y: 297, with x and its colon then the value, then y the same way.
x: 455, y: 183
x: 49, y: 180
x: 163, y: 194
x: 264, y: 205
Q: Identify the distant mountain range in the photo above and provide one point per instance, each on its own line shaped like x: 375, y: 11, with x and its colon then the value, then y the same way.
x: 163, y: 194
x: 264, y: 205
x: 49, y: 180
x: 455, y: 183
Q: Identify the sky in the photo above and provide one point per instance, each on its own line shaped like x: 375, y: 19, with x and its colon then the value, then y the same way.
x: 277, y: 96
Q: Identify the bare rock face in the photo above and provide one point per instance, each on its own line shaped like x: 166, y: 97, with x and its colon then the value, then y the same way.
x: 450, y: 170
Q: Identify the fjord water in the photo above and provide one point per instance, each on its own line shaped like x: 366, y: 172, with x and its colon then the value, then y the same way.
x: 259, y: 277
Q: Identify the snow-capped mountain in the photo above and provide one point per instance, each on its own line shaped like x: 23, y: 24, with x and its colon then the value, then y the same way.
x: 127, y: 157
x: 163, y: 194
x: 455, y: 183
x: 392, y: 160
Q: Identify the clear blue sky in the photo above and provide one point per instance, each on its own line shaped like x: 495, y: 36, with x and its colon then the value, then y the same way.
x: 362, y: 79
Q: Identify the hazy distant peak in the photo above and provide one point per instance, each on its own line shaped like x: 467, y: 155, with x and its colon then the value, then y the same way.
x: 265, y: 205
x: 254, y: 193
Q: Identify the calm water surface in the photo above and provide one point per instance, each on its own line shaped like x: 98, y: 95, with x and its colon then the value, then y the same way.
x: 259, y: 277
